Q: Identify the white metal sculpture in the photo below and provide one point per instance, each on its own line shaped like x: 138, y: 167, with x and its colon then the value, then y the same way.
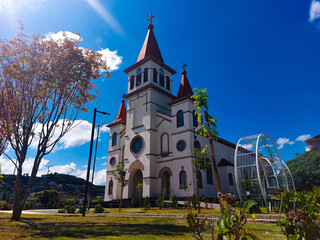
x: 259, y: 170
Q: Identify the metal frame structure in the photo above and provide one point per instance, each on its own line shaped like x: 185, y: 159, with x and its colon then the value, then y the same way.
x: 259, y: 168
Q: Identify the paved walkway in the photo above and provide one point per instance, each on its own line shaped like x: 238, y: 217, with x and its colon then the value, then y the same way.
x: 54, y: 212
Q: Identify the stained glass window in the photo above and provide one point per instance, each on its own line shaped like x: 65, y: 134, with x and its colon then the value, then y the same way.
x: 114, y: 139
x: 181, y: 145
x: 183, y: 179
x: 110, y: 188
x: 180, y: 120
x: 137, y: 145
x: 209, y: 173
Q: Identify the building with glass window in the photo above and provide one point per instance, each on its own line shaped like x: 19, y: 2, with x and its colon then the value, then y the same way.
x: 154, y: 134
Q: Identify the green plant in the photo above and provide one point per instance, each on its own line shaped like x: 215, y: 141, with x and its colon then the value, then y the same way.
x: 146, y: 203
x: 97, y: 200
x: 2, y: 204
x: 230, y: 224
x: 80, y: 209
x: 196, y: 225
x: 302, y: 210
x: 194, y: 201
x: 27, y: 205
x: 174, y: 201
x: 139, y: 189
x: 134, y: 202
x: 61, y: 210
x: 98, y: 209
x: 120, y: 176
x: 70, y: 205
x: 160, y: 202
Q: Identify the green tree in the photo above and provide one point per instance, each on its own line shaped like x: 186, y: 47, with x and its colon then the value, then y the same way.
x: 199, y: 163
x: 207, y: 128
x: 44, y: 87
x: 305, y: 170
x: 48, y: 198
x: 120, y: 176
x: 139, y: 189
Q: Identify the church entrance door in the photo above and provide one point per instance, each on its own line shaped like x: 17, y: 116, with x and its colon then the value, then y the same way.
x: 137, y: 178
x: 165, y: 184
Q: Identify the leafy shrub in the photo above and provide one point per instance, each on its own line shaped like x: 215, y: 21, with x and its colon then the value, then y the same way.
x: 160, y: 202
x: 302, y: 214
x: 61, y: 210
x: 255, y: 209
x: 70, y: 205
x: 97, y: 200
x: 146, y: 203
x: 98, y: 209
x: 196, y: 225
x: 193, y: 201
x: 27, y: 205
x: 80, y: 209
x: 174, y: 201
x: 2, y: 205
x: 134, y: 202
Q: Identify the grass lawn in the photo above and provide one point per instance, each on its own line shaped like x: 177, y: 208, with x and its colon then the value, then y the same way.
x: 98, y: 227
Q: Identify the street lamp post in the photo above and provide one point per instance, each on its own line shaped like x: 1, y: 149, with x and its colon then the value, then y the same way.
x: 89, y: 161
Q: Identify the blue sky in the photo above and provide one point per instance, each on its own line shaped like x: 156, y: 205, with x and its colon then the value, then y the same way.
x: 259, y: 60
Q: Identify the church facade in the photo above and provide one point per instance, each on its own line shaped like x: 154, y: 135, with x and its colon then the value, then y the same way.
x: 154, y: 134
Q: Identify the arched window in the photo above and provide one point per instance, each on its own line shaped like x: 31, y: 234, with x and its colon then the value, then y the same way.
x: 138, y: 82
x: 183, y: 179
x: 180, y: 120
x: 123, y: 148
x: 114, y: 139
x: 155, y: 75
x: 195, y: 120
x: 209, y: 173
x: 131, y: 82
x: 199, y: 180
x: 145, y: 75
x: 196, y: 144
x: 165, y: 143
x: 230, y: 179
x: 110, y: 188
x: 161, y: 77
x: 168, y: 83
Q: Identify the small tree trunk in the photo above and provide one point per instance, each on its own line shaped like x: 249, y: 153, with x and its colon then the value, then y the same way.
x: 121, y: 194
x: 198, y: 197
x: 17, y: 208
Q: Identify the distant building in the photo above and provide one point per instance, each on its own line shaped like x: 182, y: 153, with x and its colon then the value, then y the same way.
x: 313, y: 144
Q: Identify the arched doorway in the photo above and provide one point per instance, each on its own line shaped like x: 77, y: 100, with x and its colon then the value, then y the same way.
x: 137, y: 178
x: 165, y: 184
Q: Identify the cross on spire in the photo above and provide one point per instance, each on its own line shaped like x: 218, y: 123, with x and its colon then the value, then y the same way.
x: 150, y: 18
x: 183, y: 66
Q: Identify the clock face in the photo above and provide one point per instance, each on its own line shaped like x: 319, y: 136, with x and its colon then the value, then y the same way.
x: 181, y: 145
x: 139, y: 70
x: 161, y: 71
x: 136, y: 145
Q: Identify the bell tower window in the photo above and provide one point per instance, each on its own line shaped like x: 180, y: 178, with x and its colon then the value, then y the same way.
x: 161, y: 77
x: 180, y: 120
x: 114, y: 139
x: 131, y: 82
x: 145, y: 75
x: 168, y: 83
x: 138, y: 82
x: 155, y: 75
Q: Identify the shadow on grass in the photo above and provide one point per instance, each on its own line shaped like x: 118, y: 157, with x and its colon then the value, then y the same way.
x: 82, y: 230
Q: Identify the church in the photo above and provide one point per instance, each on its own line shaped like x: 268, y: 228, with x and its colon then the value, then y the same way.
x: 154, y: 134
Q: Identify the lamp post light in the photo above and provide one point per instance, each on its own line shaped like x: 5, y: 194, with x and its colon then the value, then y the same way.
x: 89, y: 161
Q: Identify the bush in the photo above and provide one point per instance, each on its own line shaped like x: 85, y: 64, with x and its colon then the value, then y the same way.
x: 3, y: 205
x: 255, y: 209
x: 98, y: 209
x: 146, y: 203
x: 61, y: 210
x: 80, y: 209
x: 174, y: 201
x: 160, y: 202
x: 27, y: 205
x: 193, y: 201
x: 70, y: 205
x: 97, y: 200
x: 134, y: 202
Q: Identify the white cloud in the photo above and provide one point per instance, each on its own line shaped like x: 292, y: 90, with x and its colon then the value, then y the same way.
x: 62, y: 35
x: 303, y: 138
x: 247, y: 146
x: 283, y: 141
x: 314, y: 10
x: 77, y: 136
x: 112, y: 59
x: 104, y: 164
x: 100, y: 177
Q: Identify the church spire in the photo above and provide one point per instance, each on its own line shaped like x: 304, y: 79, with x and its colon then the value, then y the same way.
x: 122, y: 115
x: 185, y: 88
x: 150, y: 46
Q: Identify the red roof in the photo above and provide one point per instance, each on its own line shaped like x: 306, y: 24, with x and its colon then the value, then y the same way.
x: 185, y: 88
x: 122, y: 115
x: 150, y: 46
x: 225, y: 163
x: 313, y: 139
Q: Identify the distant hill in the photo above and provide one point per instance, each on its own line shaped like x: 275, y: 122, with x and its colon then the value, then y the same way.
x: 60, y: 182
